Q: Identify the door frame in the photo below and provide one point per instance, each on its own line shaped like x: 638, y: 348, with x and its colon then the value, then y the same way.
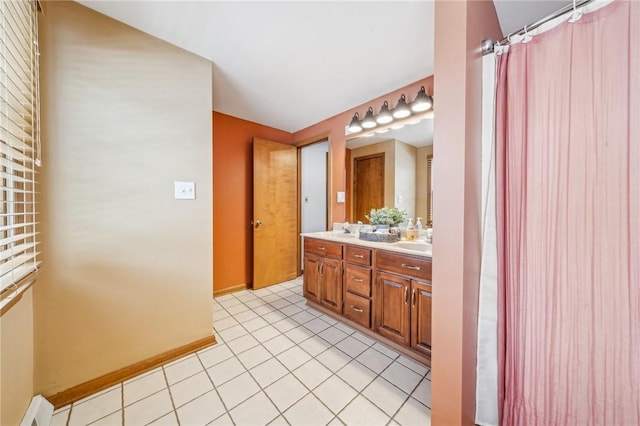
x: 323, y: 137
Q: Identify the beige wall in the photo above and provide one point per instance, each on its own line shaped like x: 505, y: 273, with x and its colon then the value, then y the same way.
x: 422, y: 191
x: 128, y: 269
x: 16, y: 360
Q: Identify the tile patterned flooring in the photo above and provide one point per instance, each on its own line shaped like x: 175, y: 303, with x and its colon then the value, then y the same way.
x: 277, y: 362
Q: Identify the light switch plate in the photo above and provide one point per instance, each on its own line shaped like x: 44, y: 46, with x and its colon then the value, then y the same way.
x: 340, y: 197
x: 185, y: 190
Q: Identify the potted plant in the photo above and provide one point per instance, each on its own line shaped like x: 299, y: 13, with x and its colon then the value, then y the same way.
x: 386, y: 217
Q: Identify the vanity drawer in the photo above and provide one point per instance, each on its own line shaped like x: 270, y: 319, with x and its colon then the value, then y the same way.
x: 357, y: 309
x: 357, y: 280
x: 359, y: 255
x: 415, y: 267
x: 323, y: 248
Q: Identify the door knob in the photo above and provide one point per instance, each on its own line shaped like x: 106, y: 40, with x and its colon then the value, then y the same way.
x: 258, y: 223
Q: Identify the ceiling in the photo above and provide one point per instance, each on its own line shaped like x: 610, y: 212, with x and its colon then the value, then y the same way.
x: 292, y: 64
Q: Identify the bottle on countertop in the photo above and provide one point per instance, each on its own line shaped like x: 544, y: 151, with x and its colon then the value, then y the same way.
x: 411, y: 232
x: 421, y: 232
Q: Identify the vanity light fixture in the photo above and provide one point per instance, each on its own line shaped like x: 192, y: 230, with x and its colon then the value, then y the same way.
x: 368, y: 122
x: 404, y: 113
x: 402, y: 109
x: 355, y: 126
x: 384, y: 116
x: 422, y: 102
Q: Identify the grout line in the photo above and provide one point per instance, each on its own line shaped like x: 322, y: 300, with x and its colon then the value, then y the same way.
x: 69, y: 414
x: 173, y: 404
x: 122, y: 401
x: 226, y: 410
x: 275, y: 296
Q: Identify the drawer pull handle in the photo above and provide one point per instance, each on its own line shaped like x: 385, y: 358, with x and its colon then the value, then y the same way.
x: 406, y: 265
x: 406, y: 295
x: 413, y: 297
x: 321, y: 248
x: 359, y: 256
x: 358, y: 280
x: 357, y: 309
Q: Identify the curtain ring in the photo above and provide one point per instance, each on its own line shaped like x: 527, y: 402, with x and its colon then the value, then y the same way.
x: 575, y: 16
x: 527, y: 37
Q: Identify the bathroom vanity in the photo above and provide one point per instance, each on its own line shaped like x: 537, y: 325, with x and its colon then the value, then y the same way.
x: 380, y: 289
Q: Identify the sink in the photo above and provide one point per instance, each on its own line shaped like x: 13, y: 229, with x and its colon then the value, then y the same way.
x: 344, y: 235
x: 420, y: 246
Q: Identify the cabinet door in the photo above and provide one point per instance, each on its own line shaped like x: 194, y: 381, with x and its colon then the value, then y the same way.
x: 311, y: 283
x: 421, y: 317
x: 331, y: 284
x: 392, y: 310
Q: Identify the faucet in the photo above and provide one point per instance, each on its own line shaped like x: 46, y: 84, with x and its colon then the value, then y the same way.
x: 347, y: 228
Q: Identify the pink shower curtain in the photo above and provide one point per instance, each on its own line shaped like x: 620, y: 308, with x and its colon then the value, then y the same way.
x: 568, y: 205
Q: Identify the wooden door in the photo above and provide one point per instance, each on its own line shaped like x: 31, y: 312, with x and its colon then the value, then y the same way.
x: 275, y: 212
x: 368, y: 185
x: 421, y: 316
x: 392, y: 310
x: 331, y: 284
x: 311, y: 283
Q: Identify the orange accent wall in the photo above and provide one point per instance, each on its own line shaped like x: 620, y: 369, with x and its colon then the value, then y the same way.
x: 233, y: 196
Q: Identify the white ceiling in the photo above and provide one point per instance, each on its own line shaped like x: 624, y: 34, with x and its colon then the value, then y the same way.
x: 292, y: 64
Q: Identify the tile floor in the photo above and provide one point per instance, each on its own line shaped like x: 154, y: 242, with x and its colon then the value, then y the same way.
x: 277, y: 362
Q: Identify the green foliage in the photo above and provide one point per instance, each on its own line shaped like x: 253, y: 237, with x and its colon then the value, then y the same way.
x: 386, y: 216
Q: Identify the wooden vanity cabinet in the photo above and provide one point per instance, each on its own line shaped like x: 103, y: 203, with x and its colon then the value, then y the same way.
x: 323, y: 273
x: 357, y: 285
x: 403, y: 300
x: 311, y: 279
x: 421, y: 316
x: 392, y: 313
x: 384, y: 291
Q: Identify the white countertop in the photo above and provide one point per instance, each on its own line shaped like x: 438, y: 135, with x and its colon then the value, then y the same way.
x: 416, y: 248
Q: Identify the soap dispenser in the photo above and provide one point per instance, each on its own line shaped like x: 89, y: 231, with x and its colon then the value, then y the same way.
x: 411, y: 231
x: 419, y: 224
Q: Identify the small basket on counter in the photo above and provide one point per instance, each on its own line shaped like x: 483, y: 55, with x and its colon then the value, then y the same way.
x: 380, y: 237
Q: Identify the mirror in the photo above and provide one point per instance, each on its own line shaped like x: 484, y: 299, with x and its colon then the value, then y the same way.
x: 391, y: 169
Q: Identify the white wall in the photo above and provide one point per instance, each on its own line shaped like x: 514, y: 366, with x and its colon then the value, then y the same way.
x: 314, y: 187
x: 313, y: 190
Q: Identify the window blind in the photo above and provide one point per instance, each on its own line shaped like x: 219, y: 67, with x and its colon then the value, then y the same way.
x: 19, y: 143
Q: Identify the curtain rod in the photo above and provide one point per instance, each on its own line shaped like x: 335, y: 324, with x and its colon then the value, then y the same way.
x: 488, y: 45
